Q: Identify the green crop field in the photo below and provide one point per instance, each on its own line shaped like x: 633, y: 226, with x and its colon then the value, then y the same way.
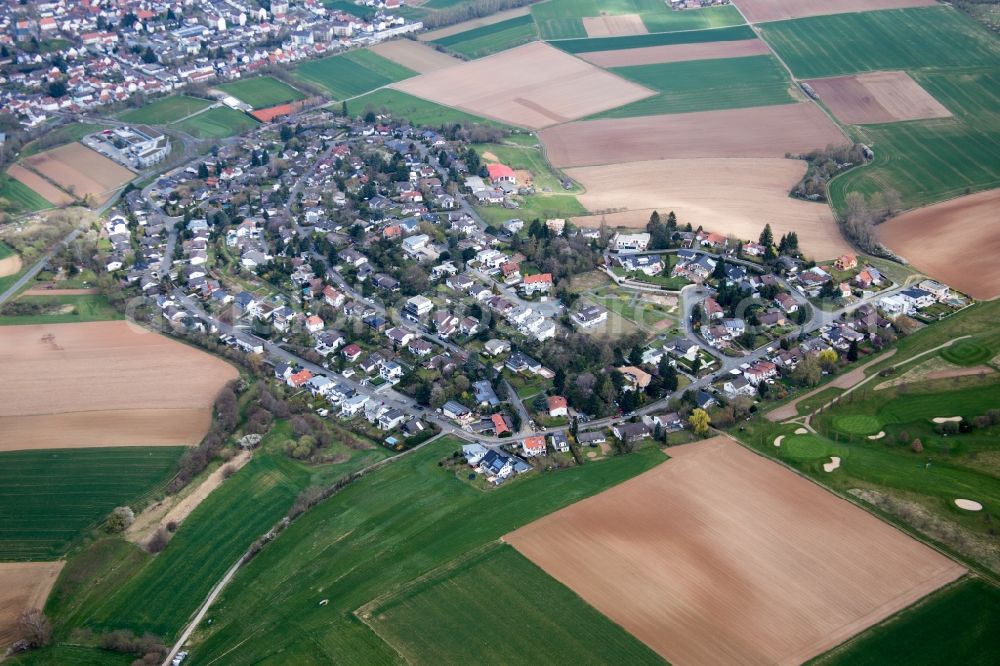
x: 165, y: 110
x: 52, y: 497
x: 262, y: 91
x: 379, y: 533
x: 217, y: 123
x: 736, y: 33
x: 429, y: 622
x: 563, y: 19
x: 414, y: 109
x: 882, y: 40
x: 19, y: 197
x: 78, y: 655
x: 60, y: 310
x: 706, y: 85
x: 353, y: 73
x: 491, y: 38
x: 957, y: 625
x: 931, y: 160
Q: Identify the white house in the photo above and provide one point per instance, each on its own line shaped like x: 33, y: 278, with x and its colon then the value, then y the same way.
x: 630, y: 242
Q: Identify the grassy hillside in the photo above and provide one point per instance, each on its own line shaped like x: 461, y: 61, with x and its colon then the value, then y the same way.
x: 376, y: 535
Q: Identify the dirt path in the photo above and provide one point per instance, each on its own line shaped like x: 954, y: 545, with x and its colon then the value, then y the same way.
x: 23, y: 586
x: 36, y: 291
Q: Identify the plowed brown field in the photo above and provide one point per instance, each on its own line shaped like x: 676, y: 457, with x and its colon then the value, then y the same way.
x: 720, y: 556
x: 758, y: 11
x: 722, y: 195
x: 769, y: 131
x: 23, y: 586
x: 878, y: 97
x: 534, y: 86
x: 956, y: 242
x: 42, y: 187
x: 651, y: 55
x: 416, y: 55
x: 103, y: 384
x: 80, y: 170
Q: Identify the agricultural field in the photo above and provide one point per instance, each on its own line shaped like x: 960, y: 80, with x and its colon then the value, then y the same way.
x: 415, y: 55
x: 471, y: 24
x: 532, y: 86
x: 879, y: 97
x: 757, y: 132
x: 383, y: 531
x: 567, y: 19
x: 21, y: 181
x: 882, y: 40
x: 10, y: 262
x: 19, y: 197
x: 23, y: 586
x: 262, y: 91
x: 492, y: 38
x: 758, y: 11
x: 959, y: 624
x: 353, y: 73
x: 119, y: 385
x: 53, y: 497
x: 588, y: 45
x: 58, y: 309
x: 80, y: 171
x: 165, y: 110
x: 967, y: 261
x: 652, y: 55
x: 428, y: 620
x: 414, y: 109
x: 706, y: 85
x: 217, y: 123
x: 721, y: 555
x: 63, y: 134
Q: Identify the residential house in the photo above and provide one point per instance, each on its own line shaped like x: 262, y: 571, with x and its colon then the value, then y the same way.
x: 533, y: 446
x: 559, y: 442
x: 557, y: 406
x: 540, y: 283
x: 456, y: 411
x: 592, y: 438
x: 630, y: 242
x: 630, y: 432
x: 589, y: 316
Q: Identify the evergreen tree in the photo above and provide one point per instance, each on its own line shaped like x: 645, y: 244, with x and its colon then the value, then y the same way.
x: 766, y: 236
x: 202, y: 171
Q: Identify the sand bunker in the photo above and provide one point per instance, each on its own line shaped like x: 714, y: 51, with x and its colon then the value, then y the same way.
x: 103, y: 383
x: 757, y: 11
x: 877, y: 97
x: 754, y: 189
x: 10, y: 265
x: 801, y: 431
x: 23, y: 586
x: 955, y: 242
x: 652, y: 55
x: 767, y: 131
x: 777, y: 440
x: 415, y: 55
x: 534, y: 86
x: 610, y: 26
x: 946, y: 419
x: 832, y: 465
x: 968, y: 505
x: 879, y: 435
x: 721, y: 556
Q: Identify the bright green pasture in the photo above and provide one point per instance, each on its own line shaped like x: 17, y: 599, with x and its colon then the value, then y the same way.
x: 429, y: 622
x: 414, y: 109
x: 68, y: 309
x: 381, y: 532
x: 165, y: 110
x: 706, y: 85
x: 882, y: 40
x: 262, y: 91
x: 353, y: 73
x: 957, y: 625
x: 588, y: 45
x: 491, y: 38
x: 51, y: 497
x: 19, y: 197
x: 541, y: 206
x: 217, y: 123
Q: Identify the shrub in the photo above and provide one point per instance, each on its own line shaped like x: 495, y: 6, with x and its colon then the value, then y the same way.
x: 227, y: 471
x: 35, y: 628
x: 158, y: 541
x: 917, y: 446
x: 119, y: 520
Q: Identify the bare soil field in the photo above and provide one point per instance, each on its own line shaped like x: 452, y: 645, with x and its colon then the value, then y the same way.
x: 721, y: 556
x: 610, y: 26
x: 533, y: 86
x: 80, y: 170
x: 652, y: 55
x: 758, y: 11
x: 103, y: 384
x: 415, y: 55
x: 768, y: 131
x: 878, y: 97
x: 450, y: 30
x: 966, y: 247
x: 23, y: 586
x: 722, y: 195
x: 42, y: 187
x: 57, y: 292
x: 10, y: 265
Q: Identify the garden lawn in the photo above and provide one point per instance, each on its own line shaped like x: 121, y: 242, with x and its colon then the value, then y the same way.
x: 379, y: 533
x: 706, y: 85
x: 20, y: 198
x: 165, y: 110
x: 63, y: 310
x: 541, y: 206
x: 881, y: 40
x: 492, y: 38
x: 428, y: 622
x: 414, y: 109
x: 528, y: 158
x: 217, y: 123
x: 53, y: 497
x: 353, y: 73
x: 262, y: 91
x: 957, y: 625
x: 587, y: 45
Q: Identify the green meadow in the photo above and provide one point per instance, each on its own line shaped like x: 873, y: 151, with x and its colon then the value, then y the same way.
x: 262, y: 91
x: 353, y: 73
x: 217, y: 123
x: 414, y: 109
x: 491, y: 38
x: 62, y: 309
x: 165, y: 110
